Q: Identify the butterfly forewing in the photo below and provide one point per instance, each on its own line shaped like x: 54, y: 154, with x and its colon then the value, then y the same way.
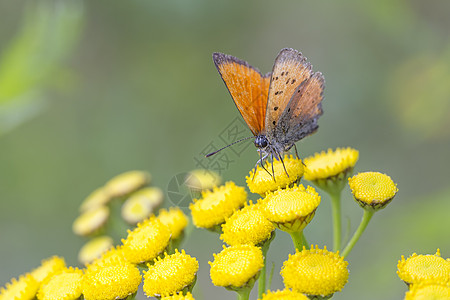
x: 248, y: 88
x: 289, y: 71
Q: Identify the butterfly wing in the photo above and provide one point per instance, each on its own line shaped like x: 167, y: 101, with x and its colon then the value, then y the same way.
x: 300, y: 117
x: 248, y: 88
x: 289, y: 71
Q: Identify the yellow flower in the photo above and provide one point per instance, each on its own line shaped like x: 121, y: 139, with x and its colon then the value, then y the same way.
x: 97, y: 198
x: 202, y: 179
x: 216, y: 205
x: 284, y: 295
x: 91, y: 221
x: 24, y: 288
x: 372, y: 190
x: 332, y: 163
x: 48, y: 267
x: 424, y: 268
x: 428, y: 291
x: 262, y: 182
x: 247, y: 226
x: 112, y: 256
x: 175, y: 219
x: 179, y: 296
x: 146, y: 241
x: 170, y: 275
x: 110, y: 281
x: 291, y: 209
x: 94, y: 249
x: 141, y: 204
x: 65, y: 285
x: 237, y: 266
x: 126, y: 183
x: 315, y: 272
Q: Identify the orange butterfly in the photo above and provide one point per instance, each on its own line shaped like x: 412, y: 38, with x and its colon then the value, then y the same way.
x: 280, y: 107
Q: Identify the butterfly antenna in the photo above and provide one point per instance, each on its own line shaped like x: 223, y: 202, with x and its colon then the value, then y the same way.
x: 212, y: 153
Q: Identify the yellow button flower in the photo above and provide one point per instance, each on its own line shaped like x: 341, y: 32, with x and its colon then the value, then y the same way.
x: 202, y: 179
x: 126, y: 183
x: 141, y: 204
x: 315, y: 272
x: 291, y: 209
x: 91, y: 221
x: 424, y: 268
x: 111, y: 281
x: 179, y: 296
x: 146, y: 241
x: 175, y: 219
x: 112, y: 256
x: 48, y: 267
x: 65, y: 285
x: 94, y: 249
x: 99, y: 197
x: 331, y: 163
x: 247, y: 226
x: 237, y: 266
x: 170, y: 275
x: 284, y: 295
x: 428, y: 292
x: 263, y: 182
x: 24, y: 288
x: 372, y: 190
x: 216, y: 205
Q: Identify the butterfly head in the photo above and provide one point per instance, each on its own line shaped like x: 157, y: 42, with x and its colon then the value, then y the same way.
x: 261, y: 141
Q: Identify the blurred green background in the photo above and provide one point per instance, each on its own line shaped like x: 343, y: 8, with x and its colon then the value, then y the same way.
x: 92, y: 89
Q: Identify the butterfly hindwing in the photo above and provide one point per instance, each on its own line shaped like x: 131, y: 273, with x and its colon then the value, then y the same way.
x: 289, y: 71
x: 300, y: 117
x: 248, y: 88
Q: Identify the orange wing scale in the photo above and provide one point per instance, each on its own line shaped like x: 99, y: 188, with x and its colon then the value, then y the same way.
x: 248, y: 88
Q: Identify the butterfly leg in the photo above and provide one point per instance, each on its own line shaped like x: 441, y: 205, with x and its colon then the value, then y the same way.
x: 296, y: 152
x: 282, y: 162
x: 273, y: 171
x: 261, y: 159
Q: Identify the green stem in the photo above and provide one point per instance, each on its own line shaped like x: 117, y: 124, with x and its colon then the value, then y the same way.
x: 336, y: 210
x: 297, y: 238
x: 305, y: 242
x: 362, y: 226
x: 262, y: 274
x: 243, y: 294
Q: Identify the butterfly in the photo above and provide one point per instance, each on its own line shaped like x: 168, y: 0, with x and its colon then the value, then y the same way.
x: 280, y: 107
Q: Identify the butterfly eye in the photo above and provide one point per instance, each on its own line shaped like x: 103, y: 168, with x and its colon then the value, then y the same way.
x: 261, y: 141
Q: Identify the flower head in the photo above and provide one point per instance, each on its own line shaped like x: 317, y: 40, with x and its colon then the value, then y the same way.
x: 424, y: 268
x: 24, y: 288
x: 263, y: 182
x: 237, y: 266
x: 179, y: 296
x: 146, y: 241
x: 48, y: 267
x: 112, y: 256
x: 284, y: 295
x: 216, y: 205
x: 141, y: 204
x: 372, y: 190
x: 202, y: 179
x: 428, y: 291
x: 126, y: 183
x: 94, y: 249
x: 66, y: 285
x: 175, y: 219
x: 291, y: 209
x: 91, y: 221
x: 247, y: 226
x: 97, y: 198
x: 110, y: 281
x: 169, y: 275
x: 329, y: 170
x: 315, y: 272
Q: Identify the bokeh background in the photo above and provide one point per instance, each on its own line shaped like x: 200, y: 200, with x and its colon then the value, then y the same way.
x: 92, y: 89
